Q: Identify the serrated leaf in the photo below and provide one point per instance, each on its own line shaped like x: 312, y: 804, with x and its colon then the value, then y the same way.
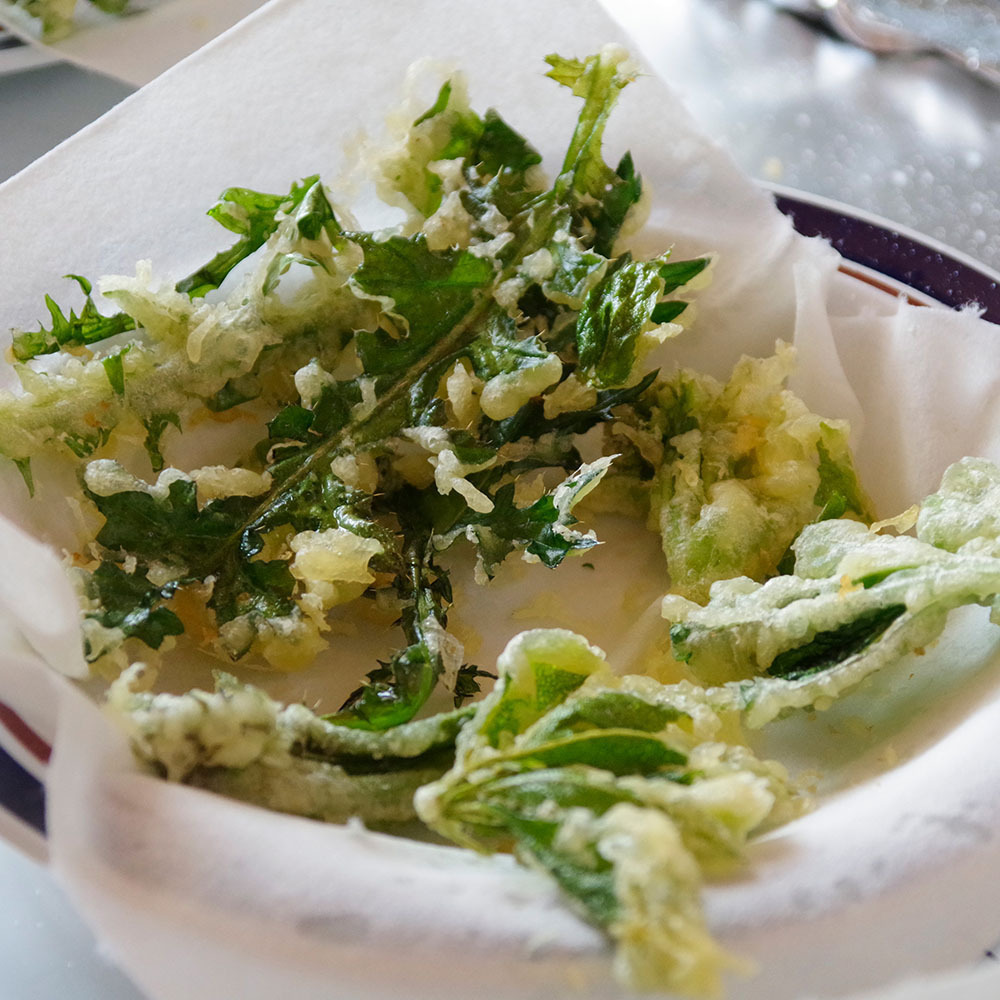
x: 613, y: 317
x: 156, y: 425
x: 430, y: 292
x: 131, y: 603
x: 542, y: 528
x: 252, y: 215
x: 75, y: 330
x: 502, y: 150
x: 577, y: 271
x: 148, y: 526
x: 530, y: 421
x: 604, y: 196
x: 621, y: 192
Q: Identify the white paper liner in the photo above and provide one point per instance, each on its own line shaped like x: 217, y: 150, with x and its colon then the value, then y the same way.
x: 198, y: 897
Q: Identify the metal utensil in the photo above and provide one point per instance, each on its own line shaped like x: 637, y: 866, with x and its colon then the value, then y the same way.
x: 966, y: 31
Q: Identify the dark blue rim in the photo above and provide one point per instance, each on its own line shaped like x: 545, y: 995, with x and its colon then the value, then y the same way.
x: 897, y: 255
x: 21, y: 793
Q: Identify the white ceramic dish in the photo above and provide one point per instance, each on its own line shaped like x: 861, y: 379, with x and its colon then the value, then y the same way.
x: 897, y: 261
x: 877, y: 254
x: 148, y: 139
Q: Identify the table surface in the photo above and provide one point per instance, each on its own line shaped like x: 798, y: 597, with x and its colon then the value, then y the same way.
x: 915, y: 140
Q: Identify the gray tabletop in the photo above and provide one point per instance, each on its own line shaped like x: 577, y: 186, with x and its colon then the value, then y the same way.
x: 913, y: 139
x: 41, y: 107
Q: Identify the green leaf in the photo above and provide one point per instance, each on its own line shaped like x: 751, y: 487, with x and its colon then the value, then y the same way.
x: 330, y: 413
x: 603, y: 195
x: 499, y: 350
x: 520, y: 367
x: 620, y: 751
x: 85, y: 443
x: 676, y: 273
x: 467, y: 682
x: 24, y: 468
x: 609, y: 710
x: 621, y: 192
x: 598, y: 80
x: 89, y: 327
x: 440, y: 103
x: 577, y: 271
x: 131, y: 603
x: 521, y: 704
x: 489, y: 148
x: 149, y: 527
x: 833, y: 646
x: 156, y: 425
x: 252, y: 215
x: 280, y: 266
x: 839, y: 490
x: 503, y: 151
x: 530, y: 421
x: 210, y: 541
x: 447, y: 130
x: 291, y: 423
x: 233, y: 393
x: 431, y: 293
x: 542, y: 528
x: 567, y: 787
x: 613, y: 317
x: 394, y: 692
x: 591, y: 886
x: 312, y: 212
x: 322, y: 736
x: 260, y: 590
x: 667, y: 312
x: 114, y: 367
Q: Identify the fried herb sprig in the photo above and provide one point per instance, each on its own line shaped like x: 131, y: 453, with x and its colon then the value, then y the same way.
x: 436, y: 370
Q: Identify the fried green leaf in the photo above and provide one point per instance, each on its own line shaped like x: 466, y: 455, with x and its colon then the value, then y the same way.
x: 75, y: 330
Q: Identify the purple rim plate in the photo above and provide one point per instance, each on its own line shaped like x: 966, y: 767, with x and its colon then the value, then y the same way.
x: 892, y: 258
x: 910, y: 261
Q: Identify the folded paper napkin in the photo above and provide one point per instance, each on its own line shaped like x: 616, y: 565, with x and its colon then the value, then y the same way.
x: 199, y: 897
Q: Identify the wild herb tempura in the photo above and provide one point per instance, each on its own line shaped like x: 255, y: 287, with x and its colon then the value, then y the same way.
x: 481, y: 376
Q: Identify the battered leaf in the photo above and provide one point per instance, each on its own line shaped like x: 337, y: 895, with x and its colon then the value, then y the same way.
x: 614, y: 317
x: 75, y: 330
x: 253, y: 216
x: 131, y: 603
x: 608, y: 792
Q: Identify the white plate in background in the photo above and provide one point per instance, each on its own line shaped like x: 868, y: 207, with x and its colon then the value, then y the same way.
x: 16, y: 54
x: 134, y: 48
